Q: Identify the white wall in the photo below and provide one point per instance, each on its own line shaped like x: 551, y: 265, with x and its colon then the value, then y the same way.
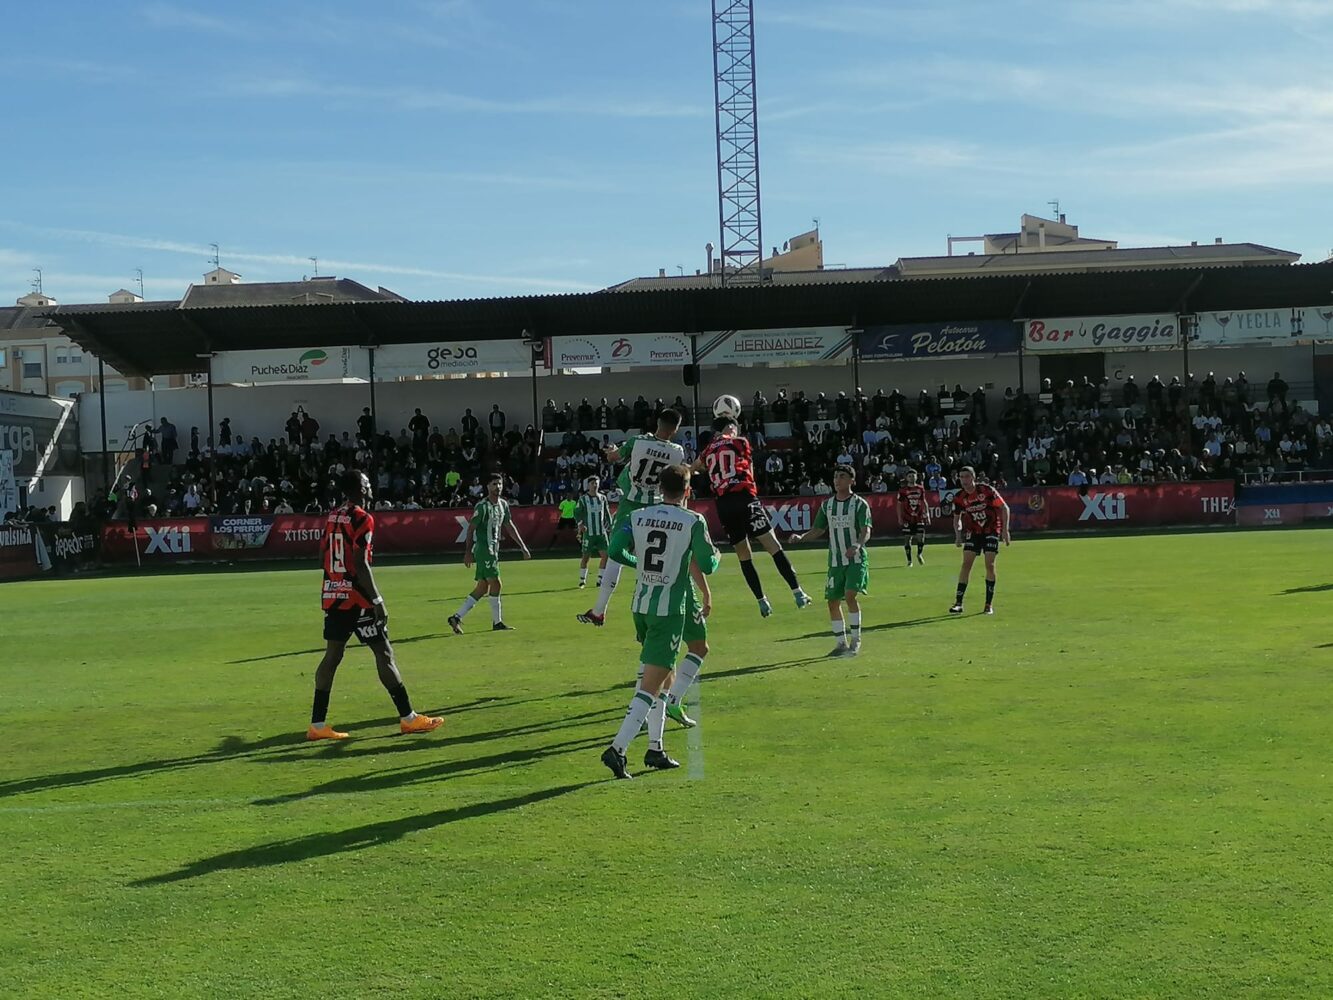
x: 1258, y: 363
x: 62, y: 491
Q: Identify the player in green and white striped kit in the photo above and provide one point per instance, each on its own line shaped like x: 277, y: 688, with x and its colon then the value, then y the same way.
x: 481, y: 548
x: 667, y: 543
x: 646, y: 457
x: 846, y: 518
x: 593, y: 515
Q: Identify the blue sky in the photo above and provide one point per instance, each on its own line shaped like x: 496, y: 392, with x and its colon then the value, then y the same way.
x: 463, y: 148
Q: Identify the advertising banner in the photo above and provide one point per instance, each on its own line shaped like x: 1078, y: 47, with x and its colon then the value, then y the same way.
x: 731, y: 347
x: 1276, y: 505
x: 452, y: 357
x: 22, y: 552
x: 938, y: 340
x: 9, y: 489
x: 644, y: 350
x: 1069, y: 335
x: 240, y: 532
x: 296, y: 536
x: 333, y: 364
x: 69, y: 548
x: 28, y: 423
x: 1262, y: 326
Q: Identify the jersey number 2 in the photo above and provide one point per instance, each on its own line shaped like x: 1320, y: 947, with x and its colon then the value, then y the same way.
x: 654, y: 553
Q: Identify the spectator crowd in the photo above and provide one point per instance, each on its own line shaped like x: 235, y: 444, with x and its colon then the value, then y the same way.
x: 1073, y: 434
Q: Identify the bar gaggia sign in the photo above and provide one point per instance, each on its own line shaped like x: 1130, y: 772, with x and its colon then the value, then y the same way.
x: 1074, y: 334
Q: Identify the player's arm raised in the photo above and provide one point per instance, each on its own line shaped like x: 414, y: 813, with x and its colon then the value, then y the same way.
x: 621, y: 547
x: 818, y: 531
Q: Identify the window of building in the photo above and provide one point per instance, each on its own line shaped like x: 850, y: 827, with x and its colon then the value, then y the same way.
x: 31, y: 369
x: 62, y: 355
x: 3, y: 359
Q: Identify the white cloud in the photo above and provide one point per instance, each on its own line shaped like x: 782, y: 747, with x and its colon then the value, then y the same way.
x: 360, y: 270
x: 409, y: 98
x: 169, y: 16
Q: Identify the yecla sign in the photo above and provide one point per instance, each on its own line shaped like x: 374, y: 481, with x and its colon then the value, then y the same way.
x: 1262, y: 326
x: 1099, y: 333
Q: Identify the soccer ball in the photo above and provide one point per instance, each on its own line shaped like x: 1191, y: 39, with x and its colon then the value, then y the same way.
x: 727, y: 406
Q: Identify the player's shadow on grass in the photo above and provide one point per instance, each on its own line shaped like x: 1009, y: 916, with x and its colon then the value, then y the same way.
x: 319, y: 651
x: 357, y: 838
x: 512, y: 593
x: 382, y: 779
x: 228, y: 748
x: 881, y: 627
x: 758, y: 668
x: 368, y: 748
x: 1315, y: 588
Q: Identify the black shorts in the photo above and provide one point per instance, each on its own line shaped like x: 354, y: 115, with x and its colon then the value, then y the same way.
x: 981, y: 543
x: 913, y: 529
x: 565, y: 522
x: 340, y: 624
x: 742, y: 517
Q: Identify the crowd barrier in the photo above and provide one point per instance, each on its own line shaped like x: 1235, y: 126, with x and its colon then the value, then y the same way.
x: 296, y: 536
x: 1285, y: 504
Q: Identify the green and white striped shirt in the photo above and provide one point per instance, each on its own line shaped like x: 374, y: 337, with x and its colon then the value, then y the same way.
x: 664, y: 538
x: 488, y: 521
x: 645, y: 457
x: 844, y: 521
x: 594, y: 513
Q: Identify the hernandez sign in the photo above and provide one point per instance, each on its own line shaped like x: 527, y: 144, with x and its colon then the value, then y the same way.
x: 296, y: 536
x: 1262, y: 326
x: 315, y: 365
x: 446, y: 358
x: 938, y: 340
x: 1100, y: 333
x: 731, y: 347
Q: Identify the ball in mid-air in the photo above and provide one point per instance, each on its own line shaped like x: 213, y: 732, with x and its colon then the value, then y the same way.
x: 727, y: 406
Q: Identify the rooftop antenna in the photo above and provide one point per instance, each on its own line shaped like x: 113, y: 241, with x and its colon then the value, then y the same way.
x: 815, y: 220
x: 314, y: 262
x: 1055, y: 206
x: 138, y: 277
x: 36, y: 282
x: 216, y: 259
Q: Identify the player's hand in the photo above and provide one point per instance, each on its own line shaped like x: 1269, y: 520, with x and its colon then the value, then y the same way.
x: 380, y: 613
x: 705, y: 610
x: 611, y: 453
x: 958, y: 541
x: 853, y: 552
x: 527, y: 554
x: 467, y: 559
x: 795, y: 539
x: 1005, y: 538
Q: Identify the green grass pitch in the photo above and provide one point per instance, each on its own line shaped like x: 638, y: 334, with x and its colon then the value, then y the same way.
x: 1117, y: 787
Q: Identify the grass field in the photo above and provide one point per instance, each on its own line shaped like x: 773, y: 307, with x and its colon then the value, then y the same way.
x: 1117, y: 787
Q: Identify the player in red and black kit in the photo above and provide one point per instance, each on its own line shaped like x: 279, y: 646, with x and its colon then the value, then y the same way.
x: 352, y: 604
x: 980, y: 523
x: 730, y: 468
x: 913, y: 516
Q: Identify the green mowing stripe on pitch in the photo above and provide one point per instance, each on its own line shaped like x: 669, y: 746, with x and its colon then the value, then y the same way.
x: 1117, y: 786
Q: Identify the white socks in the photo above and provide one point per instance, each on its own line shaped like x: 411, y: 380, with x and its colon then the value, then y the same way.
x: 685, y: 676
x: 840, y: 631
x: 639, y: 706
x: 656, y: 723
x: 468, y: 604
x: 583, y: 576
x: 854, y: 623
x: 495, y: 610
x: 610, y: 578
